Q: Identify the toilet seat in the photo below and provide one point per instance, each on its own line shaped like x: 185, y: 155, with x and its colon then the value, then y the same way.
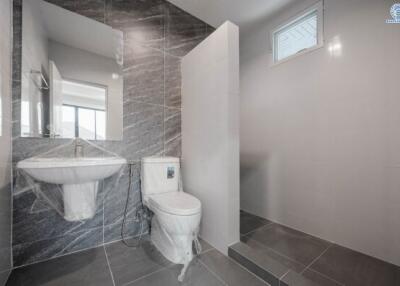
x: 176, y: 203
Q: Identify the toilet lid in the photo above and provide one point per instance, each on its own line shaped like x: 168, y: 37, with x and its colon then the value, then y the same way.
x: 178, y: 203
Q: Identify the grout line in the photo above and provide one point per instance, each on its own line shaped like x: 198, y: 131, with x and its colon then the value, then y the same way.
x: 283, y: 276
x: 213, y: 273
x: 327, y: 277
x: 104, y: 200
x: 153, y: 104
x: 146, y: 275
x: 55, y: 257
x: 315, y: 259
x: 11, y: 89
x: 241, y: 266
x: 268, y: 224
x: 109, y: 266
x: 206, y: 251
x: 252, y: 261
x: 276, y: 252
x: 69, y: 253
x: 164, y: 76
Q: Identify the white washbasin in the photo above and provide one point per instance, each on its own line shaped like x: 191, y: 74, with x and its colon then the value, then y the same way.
x: 71, y: 170
x: 79, y: 178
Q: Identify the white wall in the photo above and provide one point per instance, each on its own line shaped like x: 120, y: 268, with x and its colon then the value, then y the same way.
x: 210, y: 133
x: 320, y: 134
x: 80, y: 65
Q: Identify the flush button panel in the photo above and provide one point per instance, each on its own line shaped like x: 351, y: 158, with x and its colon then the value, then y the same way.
x: 170, y: 172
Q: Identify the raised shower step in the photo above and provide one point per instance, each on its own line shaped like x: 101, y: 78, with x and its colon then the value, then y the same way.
x: 275, y: 269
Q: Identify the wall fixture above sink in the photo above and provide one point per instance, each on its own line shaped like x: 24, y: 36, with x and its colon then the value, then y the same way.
x: 79, y: 177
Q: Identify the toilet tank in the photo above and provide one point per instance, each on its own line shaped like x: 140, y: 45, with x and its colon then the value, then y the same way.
x: 159, y: 175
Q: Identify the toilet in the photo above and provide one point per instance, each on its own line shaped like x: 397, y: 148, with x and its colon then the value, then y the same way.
x: 177, y: 214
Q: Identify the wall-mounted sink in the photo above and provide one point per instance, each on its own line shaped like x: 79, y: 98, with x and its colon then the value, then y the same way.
x: 79, y: 178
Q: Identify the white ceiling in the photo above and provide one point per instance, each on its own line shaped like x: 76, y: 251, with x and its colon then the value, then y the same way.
x: 244, y: 13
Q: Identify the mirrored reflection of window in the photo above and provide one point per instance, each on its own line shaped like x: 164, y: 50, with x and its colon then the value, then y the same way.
x: 68, y: 121
x: 100, y: 125
x: 67, y: 54
x: 86, y: 123
x: 84, y: 113
x: 25, y: 118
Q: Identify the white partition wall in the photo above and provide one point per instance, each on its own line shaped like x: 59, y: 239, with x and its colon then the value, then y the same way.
x: 210, y: 133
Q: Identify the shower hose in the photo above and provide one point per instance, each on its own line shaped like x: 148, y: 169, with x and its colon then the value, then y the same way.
x: 139, y: 214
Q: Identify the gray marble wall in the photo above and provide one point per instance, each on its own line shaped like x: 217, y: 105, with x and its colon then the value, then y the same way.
x: 5, y: 138
x: 156, y: 36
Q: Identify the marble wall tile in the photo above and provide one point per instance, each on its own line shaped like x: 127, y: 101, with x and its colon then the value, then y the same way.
x: 172, y: 78
x: 172, y: 131
x: 30, y: 252
x: 6, y: 23
x: 44, y: 223
x: 183, y: 31
x: 94, y: 9
x: 5, y: 227
x: 66, y: 4
x: 114, y: 204
x: 143, y: 130
x: 156, y: 35
x: 132, y: 228
x: 143, y: 73
x: 141, y: 21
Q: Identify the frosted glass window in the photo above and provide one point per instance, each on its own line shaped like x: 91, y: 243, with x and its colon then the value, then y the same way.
x: 297, y: 36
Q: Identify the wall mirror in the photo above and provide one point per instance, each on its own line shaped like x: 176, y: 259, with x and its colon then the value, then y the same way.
x: 72, y: 82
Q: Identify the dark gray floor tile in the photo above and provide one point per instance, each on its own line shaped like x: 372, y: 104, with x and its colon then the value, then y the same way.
x: 308, y: 278
x: 196, y: 275
x: 264, y: 262
x: 294, y: 244
x: 87, y: 268
x: 129, y: 264
x: 4, y: 276
x: 356, y: 269
x: 205, y: 246
x: 249, y: 222
x: 228, y: 270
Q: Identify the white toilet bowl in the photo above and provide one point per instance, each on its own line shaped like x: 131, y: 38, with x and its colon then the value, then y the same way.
x: 175, y: 224
x: 177, y: 215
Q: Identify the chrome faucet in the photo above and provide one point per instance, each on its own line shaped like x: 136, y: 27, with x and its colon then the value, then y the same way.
x: 78, y: 148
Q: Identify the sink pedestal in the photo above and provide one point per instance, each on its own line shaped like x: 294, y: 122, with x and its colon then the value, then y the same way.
x: 80, y: 200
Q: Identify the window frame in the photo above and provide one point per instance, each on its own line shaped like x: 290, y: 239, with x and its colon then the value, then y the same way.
x: 318, y: 8
x: 76, y: 112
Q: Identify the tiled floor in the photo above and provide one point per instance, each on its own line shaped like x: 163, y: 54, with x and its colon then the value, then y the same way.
x: 116, y: 265
x: 275, y: 253
x: 284, y: 256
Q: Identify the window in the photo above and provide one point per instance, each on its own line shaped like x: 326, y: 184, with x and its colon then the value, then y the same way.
x: 300, y: 35
x: 83, y: 110
x: 84, y: 123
